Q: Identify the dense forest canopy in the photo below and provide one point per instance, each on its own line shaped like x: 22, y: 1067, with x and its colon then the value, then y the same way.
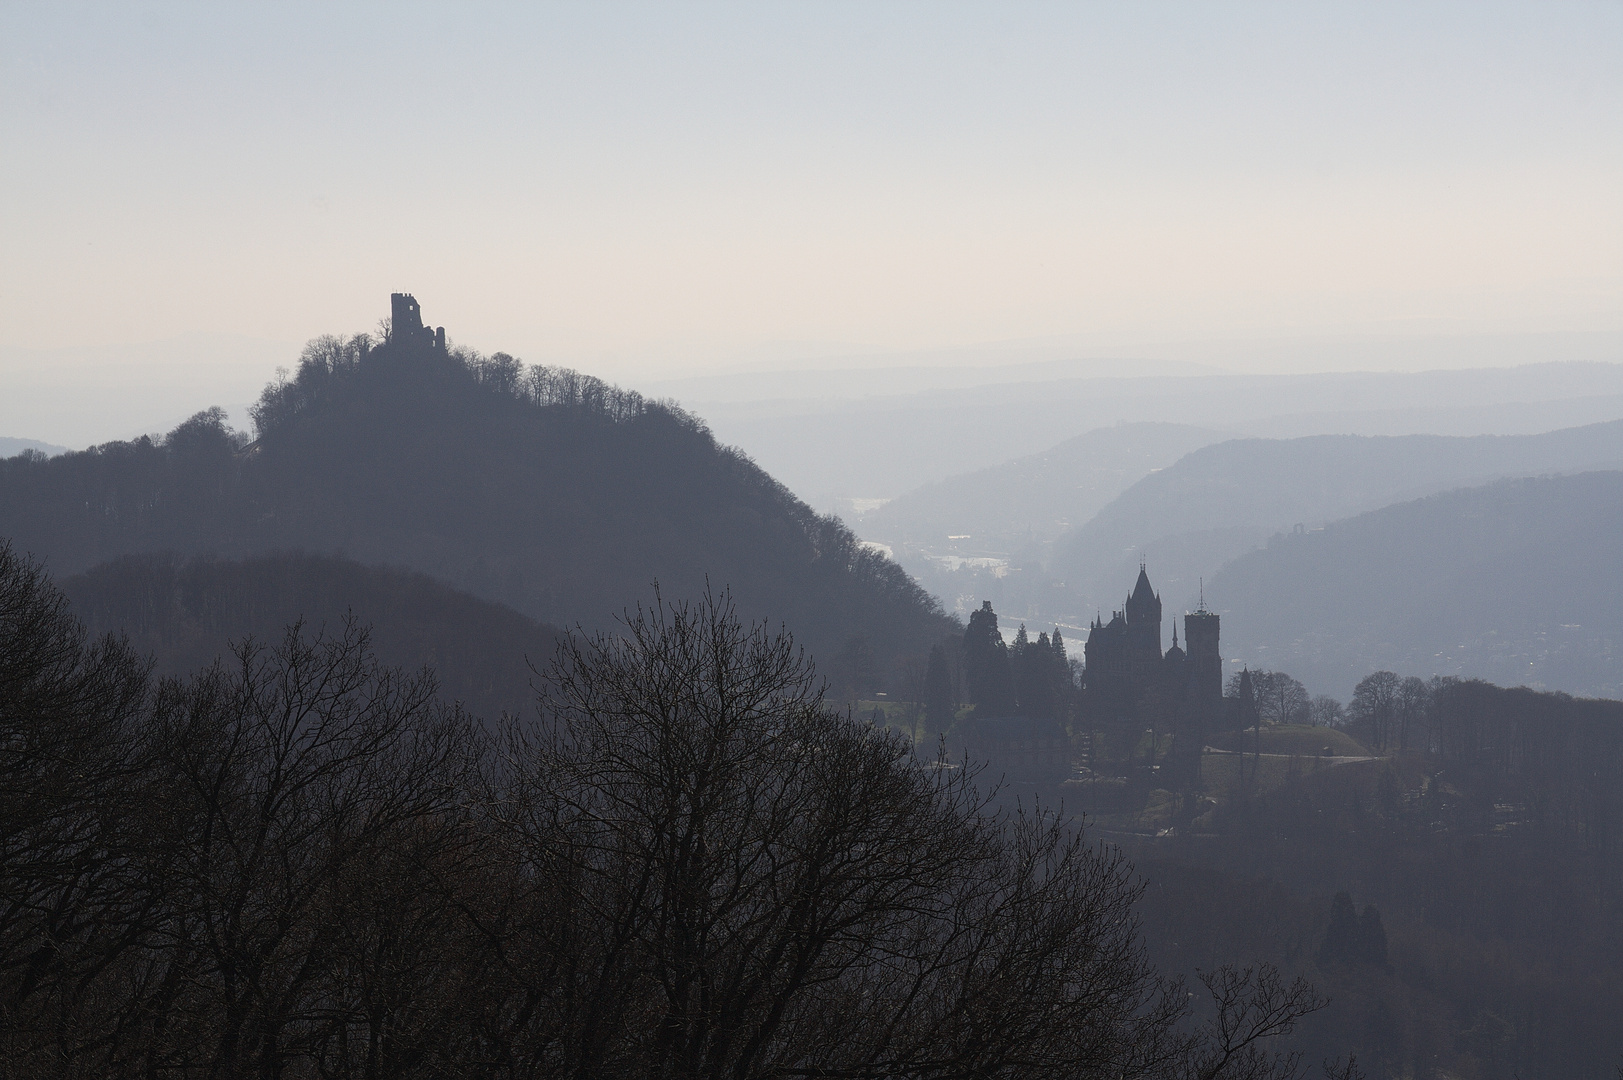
x: 1490, y: 835
x: 186, y: 613
x: 538, y: 487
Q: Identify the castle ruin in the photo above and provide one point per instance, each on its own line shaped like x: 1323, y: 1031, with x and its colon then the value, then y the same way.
x: 406, y: 324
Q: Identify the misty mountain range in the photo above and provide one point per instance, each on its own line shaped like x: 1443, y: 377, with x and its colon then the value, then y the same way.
x: 1221, y: 500
x: 466, y: 508
x: 880, y: 446
x: 1036, y: 498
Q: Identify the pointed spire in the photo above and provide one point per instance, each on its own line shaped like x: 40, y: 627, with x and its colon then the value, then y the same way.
x: 1143, y: 591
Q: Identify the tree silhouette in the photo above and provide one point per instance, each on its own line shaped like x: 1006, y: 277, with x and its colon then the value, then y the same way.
x: 987, y: 673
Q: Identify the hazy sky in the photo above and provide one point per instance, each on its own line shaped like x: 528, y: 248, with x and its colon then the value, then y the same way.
x: 657, y: 189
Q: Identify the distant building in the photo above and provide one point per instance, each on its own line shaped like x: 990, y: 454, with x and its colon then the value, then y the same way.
x: 1128, y: 680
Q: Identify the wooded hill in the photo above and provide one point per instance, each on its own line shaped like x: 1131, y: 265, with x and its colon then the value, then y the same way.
x: 186, y: 613
x: 1515, y: 581
x: 536, y: 487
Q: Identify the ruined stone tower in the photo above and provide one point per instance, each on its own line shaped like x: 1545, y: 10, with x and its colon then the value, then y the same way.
x: 406, y: 324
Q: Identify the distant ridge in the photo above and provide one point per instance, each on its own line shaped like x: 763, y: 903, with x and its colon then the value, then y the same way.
x: 879, y: 447
x: 1221, y: 500
x: 1519, y: 582
x: 11, y: 447
x: 1040, y: 495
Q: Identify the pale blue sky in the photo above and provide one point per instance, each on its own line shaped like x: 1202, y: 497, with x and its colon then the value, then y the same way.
x: 659, y: 189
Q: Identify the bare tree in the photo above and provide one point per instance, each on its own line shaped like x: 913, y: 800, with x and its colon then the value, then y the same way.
x: 1410, y: 703
x: 1280, y: 698
x: 913, y: 670
x: 71, y: 779
x: 1374, y: 707
x: 299, y: 864
x: 300, y: 781
x: 1326, y: 711
x: 1251, y: 1007
x: 738, y: 881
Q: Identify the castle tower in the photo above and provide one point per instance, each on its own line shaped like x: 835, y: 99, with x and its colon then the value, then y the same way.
x: 405, y: 317
x: 1205, y: 665
x: 1104, y: 654
x: 406, y: 324
x: 1143, y: 630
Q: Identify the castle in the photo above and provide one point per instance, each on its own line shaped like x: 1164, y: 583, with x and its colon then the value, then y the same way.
x: 1126, y: 676
x: 1129, y: 687
x: 406, y: 324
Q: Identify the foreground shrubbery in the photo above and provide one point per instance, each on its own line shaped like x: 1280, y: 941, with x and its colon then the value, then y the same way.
x: 302, y: 864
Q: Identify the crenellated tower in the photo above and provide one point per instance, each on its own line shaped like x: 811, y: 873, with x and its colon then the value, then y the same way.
x: 406, y: 324
x: 1205, y: 663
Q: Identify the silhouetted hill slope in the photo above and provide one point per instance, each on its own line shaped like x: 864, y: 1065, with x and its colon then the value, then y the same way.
x: 1038, y: 496
x: 186, y: 613
x: 1519, y: 582
x: 540, y: 488
x: 1220, y: 501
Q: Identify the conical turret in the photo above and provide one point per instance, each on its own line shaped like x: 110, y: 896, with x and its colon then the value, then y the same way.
x: 1143, y: 592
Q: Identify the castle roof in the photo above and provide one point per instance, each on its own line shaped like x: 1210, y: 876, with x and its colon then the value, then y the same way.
x: 1174, y: 655
x: 1142, y: 591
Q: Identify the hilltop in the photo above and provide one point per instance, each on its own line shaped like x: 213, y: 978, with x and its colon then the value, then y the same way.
x: 10, y: 447
x: 535, y: 487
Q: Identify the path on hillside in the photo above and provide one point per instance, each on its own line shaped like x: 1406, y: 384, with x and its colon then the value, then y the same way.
x: 1330, y: 759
